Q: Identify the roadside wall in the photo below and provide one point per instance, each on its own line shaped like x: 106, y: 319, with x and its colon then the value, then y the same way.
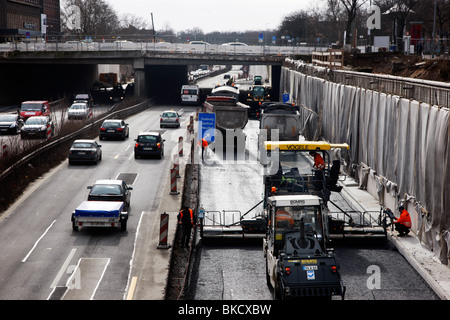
x: 399, y: 148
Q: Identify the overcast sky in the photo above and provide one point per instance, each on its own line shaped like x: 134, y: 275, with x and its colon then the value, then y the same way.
x: 213, y: 15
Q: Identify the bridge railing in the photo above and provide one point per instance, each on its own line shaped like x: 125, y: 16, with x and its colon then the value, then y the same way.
x: 158, y: 47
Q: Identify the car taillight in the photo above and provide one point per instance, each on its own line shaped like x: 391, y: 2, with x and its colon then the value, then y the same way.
x: 288, y: 270
x: 176, y: 120
x: 160, y: 119
x: 158, y: 145
x: 102, y: 129
x: 119, y: 129
x: 137, y: 145
x: 333, y: 269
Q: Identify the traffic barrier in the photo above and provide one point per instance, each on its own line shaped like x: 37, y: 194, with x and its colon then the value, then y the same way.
x: 176, y: 164
x: 180, y: 146
x: 191, y: 124
x: 163, y: 232
x: 49, y: 131
x: 173, y: 181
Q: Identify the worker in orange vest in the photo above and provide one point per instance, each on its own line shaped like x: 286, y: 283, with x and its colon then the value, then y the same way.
x: 319, y: 164
x: 403, y: 224
x: 204, y: 144
x: 186, y: 220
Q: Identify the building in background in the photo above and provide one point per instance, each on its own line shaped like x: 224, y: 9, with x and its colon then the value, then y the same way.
x: 29, y: 19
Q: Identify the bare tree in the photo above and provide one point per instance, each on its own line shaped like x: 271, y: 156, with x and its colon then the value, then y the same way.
x: 351, y: 8
x: 96, y: 17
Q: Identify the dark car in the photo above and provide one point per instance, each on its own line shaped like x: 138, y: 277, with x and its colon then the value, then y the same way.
x: 113, y: 128
x: 110, y: 190
x: 84, y: 97
x: 149, y: 144
x: 10, y: 123
x: 38, y: 127
x: 85, y: 151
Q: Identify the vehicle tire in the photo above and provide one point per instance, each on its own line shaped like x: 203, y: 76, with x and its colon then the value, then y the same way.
x: 123, y: 226
x: 136, y: 156
x: 74, y: 226
x: 268, y: 276
x: 277, y: 294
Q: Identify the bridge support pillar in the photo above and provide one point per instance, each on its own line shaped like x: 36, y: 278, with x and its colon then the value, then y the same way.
x: 139, y: 78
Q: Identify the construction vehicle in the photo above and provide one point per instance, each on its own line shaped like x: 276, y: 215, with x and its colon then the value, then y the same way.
x: 289, y: 170
x: 298, y: 263
x: 231, y: 115
x: 283, y: 117
x: 257, y: 95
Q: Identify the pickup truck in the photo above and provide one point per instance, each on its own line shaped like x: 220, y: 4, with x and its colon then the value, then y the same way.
x: 100, y: 214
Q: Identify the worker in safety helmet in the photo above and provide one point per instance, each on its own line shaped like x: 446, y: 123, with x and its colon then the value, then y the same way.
x: 186, y: 220
x: 403, y: 223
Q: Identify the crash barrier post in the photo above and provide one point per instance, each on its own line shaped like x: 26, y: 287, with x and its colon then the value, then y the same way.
x: 173, y: 181
x: 163, y: 232
x: 49, y: 132
x: 180, y: 146
x: 176, y: 164
x: 191, y: 124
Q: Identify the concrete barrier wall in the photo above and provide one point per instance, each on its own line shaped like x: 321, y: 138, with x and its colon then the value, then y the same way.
x: 399, y: 148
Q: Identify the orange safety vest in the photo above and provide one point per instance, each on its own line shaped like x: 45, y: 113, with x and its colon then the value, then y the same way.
x: 318, y: 162
x: 191, y: 213
x: 405, y: 219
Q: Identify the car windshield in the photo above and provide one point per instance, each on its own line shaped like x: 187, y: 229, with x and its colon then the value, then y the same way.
x: 36, y: 120
x: 112, y: 124
x: 31, y: 106
x: 114, y: 189
x: 82, y: 97
x: 147, y: 139
x: 190, y: 91
x: 78, y: 107
x: 169, y: 115
x: 83, y: 145
x: 7, y: 118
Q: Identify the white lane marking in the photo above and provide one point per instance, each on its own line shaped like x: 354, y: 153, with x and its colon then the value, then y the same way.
x: 63, y: 268
x: 129, y: 290
x: 36, y: 243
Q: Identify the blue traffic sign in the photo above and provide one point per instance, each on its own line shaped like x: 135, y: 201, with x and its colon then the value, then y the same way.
x: 206, y: 126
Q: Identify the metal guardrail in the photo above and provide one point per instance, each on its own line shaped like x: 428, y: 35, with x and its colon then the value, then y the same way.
x: 120, y: 113
x: 156, y: 47
x: 431, y: 92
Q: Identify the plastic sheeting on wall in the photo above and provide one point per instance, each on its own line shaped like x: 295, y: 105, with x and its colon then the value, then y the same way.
x: 403, y: 141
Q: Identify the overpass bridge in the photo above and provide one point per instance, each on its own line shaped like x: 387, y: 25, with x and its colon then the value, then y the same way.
x: 69, y: 67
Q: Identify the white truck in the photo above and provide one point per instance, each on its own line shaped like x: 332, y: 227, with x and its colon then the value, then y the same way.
x: 100, y: 214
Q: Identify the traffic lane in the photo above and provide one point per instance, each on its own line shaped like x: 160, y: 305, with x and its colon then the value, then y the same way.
x: 58, y: 241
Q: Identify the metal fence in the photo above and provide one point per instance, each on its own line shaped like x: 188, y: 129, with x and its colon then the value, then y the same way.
x: 157, y: 47
x: 431, y: 92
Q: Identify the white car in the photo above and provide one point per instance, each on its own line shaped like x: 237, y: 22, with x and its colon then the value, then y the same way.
x: 79, y: 110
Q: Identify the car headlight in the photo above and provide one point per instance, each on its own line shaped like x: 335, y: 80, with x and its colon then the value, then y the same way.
x: 42, y: 128
x: 13, y: 125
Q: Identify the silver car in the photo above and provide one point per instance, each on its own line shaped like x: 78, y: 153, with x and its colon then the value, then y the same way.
x: 79, y: 110
x: 169, y: 119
